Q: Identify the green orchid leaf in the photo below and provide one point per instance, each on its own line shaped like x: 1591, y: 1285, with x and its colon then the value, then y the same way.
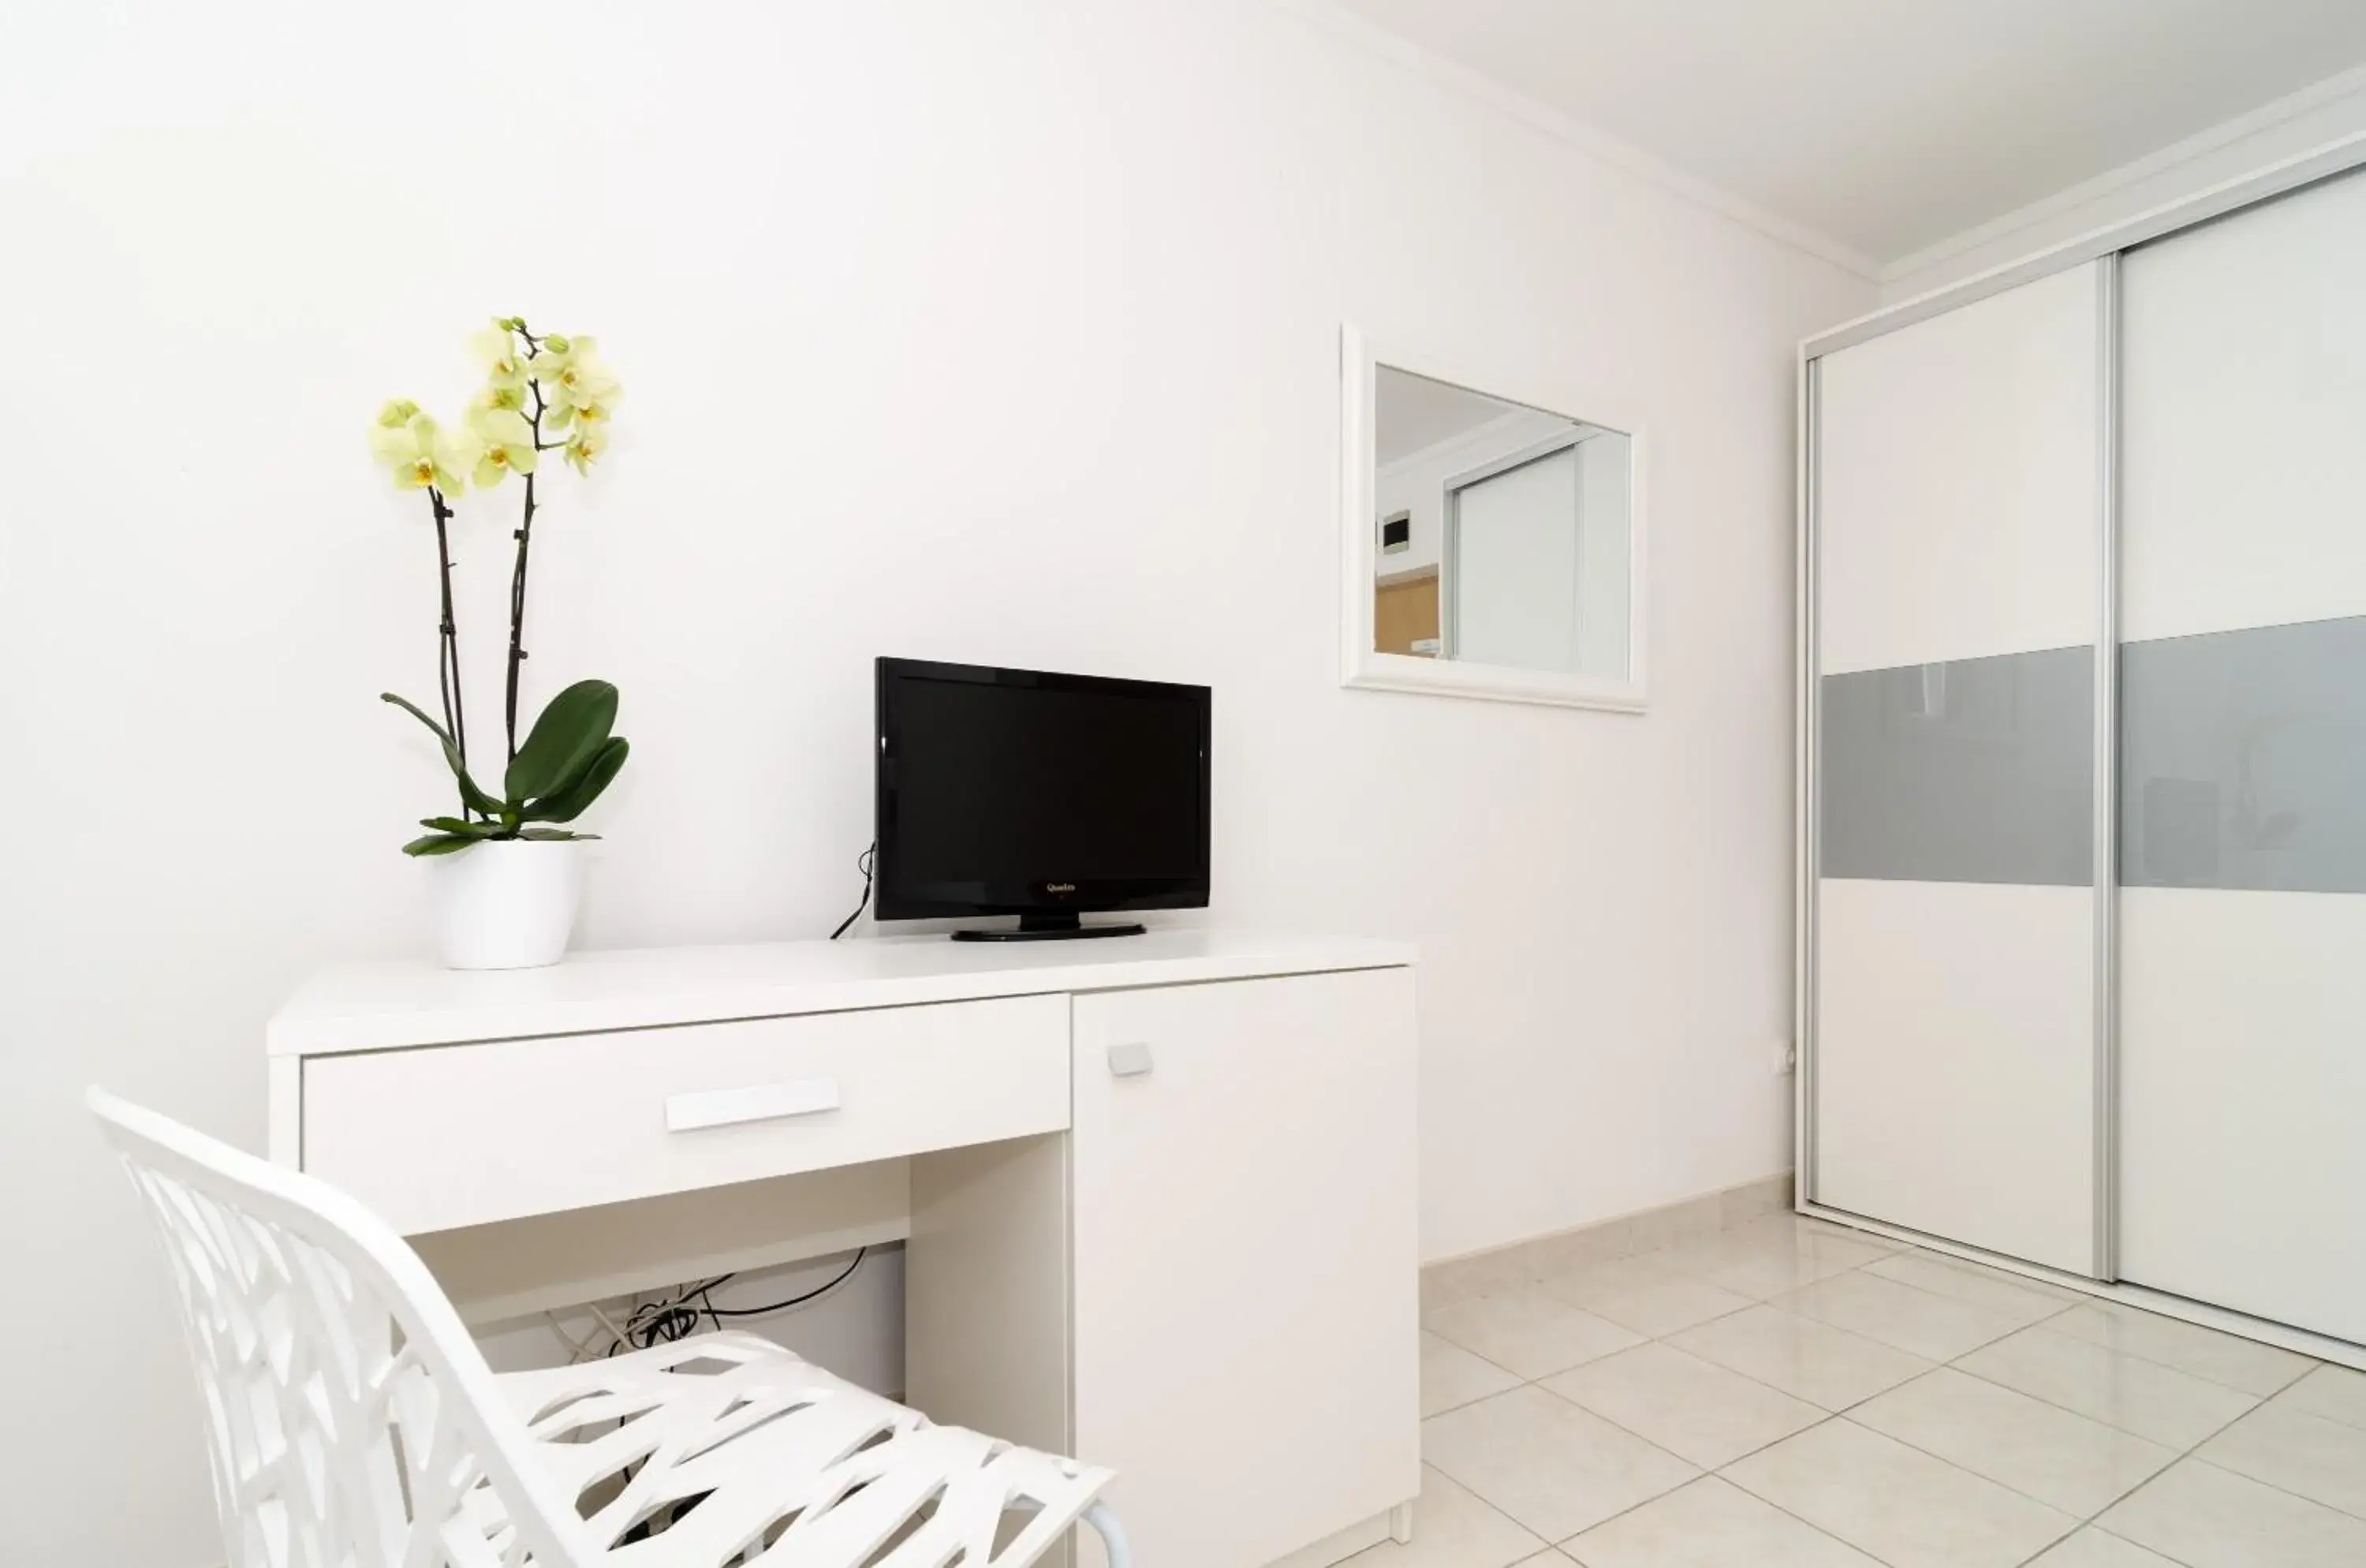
x: 461, y: 826
x: 474, y: 798
x: 437, y: 844
x: 563, y: 741
x: 413, y: 709
x: 568, y: 804
x: 550, y: 835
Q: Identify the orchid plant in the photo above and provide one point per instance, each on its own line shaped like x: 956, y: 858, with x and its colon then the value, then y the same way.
x: 542, y: 393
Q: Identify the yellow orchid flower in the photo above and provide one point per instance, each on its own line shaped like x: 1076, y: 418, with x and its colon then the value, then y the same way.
x: 505, y: 444
x: 388, y: 441
x: 557, y: 350
x: 422, y: 454
x: 587, y: 445
x: 505, y: 366
x: 557, y: 417
x: 574, y: 378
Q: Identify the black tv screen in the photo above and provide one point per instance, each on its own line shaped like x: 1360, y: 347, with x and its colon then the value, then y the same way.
x: 1021, y: 792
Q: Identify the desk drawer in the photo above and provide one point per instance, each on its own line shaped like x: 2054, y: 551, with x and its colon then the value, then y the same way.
x: 445, y: 1135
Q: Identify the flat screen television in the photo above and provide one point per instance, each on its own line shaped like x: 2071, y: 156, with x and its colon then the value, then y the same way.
x: 1019, y: 792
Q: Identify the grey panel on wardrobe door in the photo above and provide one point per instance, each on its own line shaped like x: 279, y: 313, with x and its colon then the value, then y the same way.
x: 2243, y: 760
x: 1978, y: 770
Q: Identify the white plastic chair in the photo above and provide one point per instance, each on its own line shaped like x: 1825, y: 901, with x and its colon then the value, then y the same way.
x: 353, y: 1424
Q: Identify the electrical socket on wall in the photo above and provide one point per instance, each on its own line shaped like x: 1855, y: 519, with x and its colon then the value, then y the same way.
x: 1787, y: 1058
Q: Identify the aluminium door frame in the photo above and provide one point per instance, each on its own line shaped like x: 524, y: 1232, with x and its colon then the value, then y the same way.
x: 2105, y: 1265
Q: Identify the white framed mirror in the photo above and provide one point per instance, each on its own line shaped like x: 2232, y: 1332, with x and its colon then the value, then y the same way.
x: 1491, y: 543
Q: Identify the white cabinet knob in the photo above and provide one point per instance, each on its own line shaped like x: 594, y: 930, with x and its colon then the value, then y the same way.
x: 1129, y: 1061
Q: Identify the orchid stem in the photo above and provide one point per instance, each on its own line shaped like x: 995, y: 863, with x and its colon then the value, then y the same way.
x: 525, y: 545
x: 447, y: 640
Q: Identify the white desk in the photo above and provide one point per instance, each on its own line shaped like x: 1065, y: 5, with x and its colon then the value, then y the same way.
x: 1160, y: 1191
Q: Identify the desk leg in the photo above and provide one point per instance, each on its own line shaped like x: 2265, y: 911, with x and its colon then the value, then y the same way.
x: 987, y: 1291
x: 284, y: 1116
x: 1401, y: 1524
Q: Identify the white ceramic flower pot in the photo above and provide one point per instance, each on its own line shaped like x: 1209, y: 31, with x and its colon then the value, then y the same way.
x: 507, y: 904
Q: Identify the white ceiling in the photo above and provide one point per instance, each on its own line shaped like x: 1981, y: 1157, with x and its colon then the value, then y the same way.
x: 1890, y: 125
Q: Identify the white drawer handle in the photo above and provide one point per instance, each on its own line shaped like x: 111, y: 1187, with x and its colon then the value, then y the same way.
x: 1129, y: 1061
x: 759, y: 1102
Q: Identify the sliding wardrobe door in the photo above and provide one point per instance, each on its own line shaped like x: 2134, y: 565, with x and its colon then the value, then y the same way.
x: 2243, y: 762
x: 1958, y: 526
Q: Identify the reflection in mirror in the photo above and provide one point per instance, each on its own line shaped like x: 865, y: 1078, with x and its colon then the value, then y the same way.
x: 1501, y: 532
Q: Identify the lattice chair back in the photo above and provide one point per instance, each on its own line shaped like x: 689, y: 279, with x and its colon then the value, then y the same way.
x: 352, y: 1422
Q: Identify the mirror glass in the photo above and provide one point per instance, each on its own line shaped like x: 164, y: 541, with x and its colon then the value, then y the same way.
x: 1502, y: 533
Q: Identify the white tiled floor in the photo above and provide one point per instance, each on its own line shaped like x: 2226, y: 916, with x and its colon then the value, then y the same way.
x: 1791, y: 1394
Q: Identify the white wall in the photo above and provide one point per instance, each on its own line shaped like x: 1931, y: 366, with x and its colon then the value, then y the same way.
x: 2328, y: 111
x: 1003, y: 333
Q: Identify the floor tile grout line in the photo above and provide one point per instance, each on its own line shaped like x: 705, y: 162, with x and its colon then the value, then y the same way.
x: 1467, y: 1403
x: 1965, y: 1266
x: 2057, y: 1404
x: 1787, y: 1290
x: 1676, y: 1278
x: 1866, y: 1267
x: 1669, y: 1340
x: 1832, y: 1535
x: 1655, y: 1259
x: 1497, y: 1365
x: 2176, y: 1454
x: 2182, y: 1455
x: 2063, y: 1296
x: 1700, y: 1469
x: 1822, y: 1416
x: 1474, y: 1496
x: 2241, y: 1475
x: 2140, y: 1546
x: 2198, y: 1457
x: 2107, y: 1305
x: 1695, y: 1355
x: 1929, y: 1363
x: 2199, y: 1377
x: 1645, y: 1339
x: 2036, y: 1288
x: 2083, y: 1519
x: 1706, y: 1473
x: 1936, y: 1360
x: 1552, y: 1544
x: 2077, y: 1523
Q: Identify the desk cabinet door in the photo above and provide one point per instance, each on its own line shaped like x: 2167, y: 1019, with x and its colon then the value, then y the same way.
x: 1247, y: 1291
